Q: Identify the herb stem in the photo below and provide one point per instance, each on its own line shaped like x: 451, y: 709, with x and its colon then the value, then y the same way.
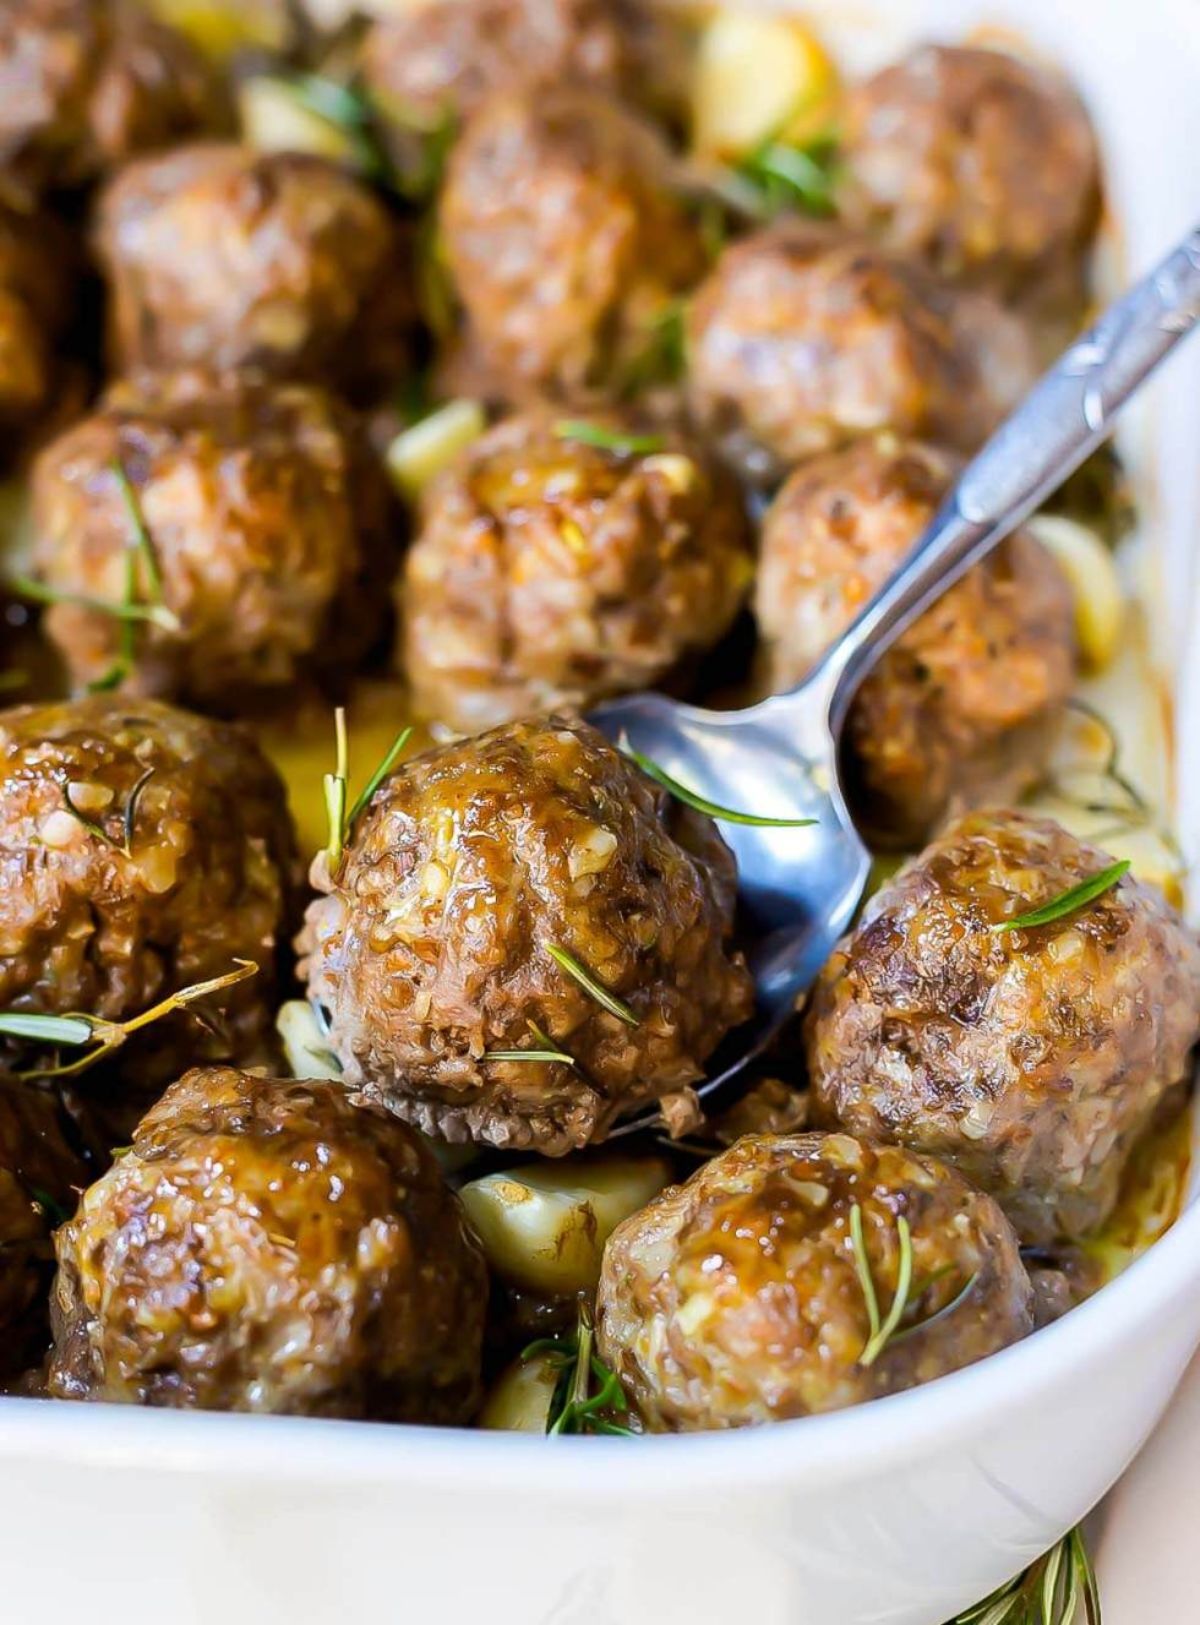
x: 714, y: 809
x: 608, y: 1001
x: 1067, y: 902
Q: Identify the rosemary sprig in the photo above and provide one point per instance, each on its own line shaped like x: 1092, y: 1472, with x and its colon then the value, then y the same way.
x: 340, y: 824
x: 143, y: 546
x: 886, y: 1330
x: 701, y: 803
x: 39, y: 592
x: 574, y: 1407
x: 616, y: 441
x: 541, y: 1050
x: 128, y: 816
x: 663, y: 356
x: 787, y: 176
x: 75, y: 1028
x: 608, y: 1001
x: 1049, y: 1592
x: 1069, y: 901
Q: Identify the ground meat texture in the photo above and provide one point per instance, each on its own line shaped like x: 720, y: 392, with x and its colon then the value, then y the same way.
x: 735, y: 1299
x: 86, y: 84
x: 432, y: 946
x: 564, y: 241
x: 803, y: 338
x: 220, y: 257
x: 209, y: 877
x: 40, y: 1176
x: 981, y: 165
x: 269, y: 523
x: 1034, y: 1059
x: 547, y: 571
x: 962, y: 707
x: 36, y: 262
x: 266, y: 1245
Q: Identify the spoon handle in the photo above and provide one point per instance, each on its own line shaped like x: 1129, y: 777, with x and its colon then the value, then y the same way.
x: 1067, y: 415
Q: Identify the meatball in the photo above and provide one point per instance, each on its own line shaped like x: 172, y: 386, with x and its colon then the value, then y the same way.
x: 550, y: 570
x: 1032, y: 1059
x: 142, y: 850
x: 267, y: 518
x: 85, y: 84
x: 266, y: 1245
x: 220, y: 257
x: 36, y: 262
x: 981, y: 165
x: 961, y: 707
x: 563, y: 240
x: 803, y: 338
x: 738, y: 1297
x: 40, y: 1173
x: 470, y: 871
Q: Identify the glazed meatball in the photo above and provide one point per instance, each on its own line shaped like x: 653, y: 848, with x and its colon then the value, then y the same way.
x: 40, y: 1175
x: 803, y: 338
x: 142, y: 850
x: 981, y: 165
x: 36, y: 261
x: 563, y: 240
x: 1033, y: 1059
x: 85, y: 84
x: 220, y: 257
x: 433, y: 947
x: 550, y: 571
x: 962, y: 707
x: 265, y: 1245
x: 737, y: 1298
x: 267, y: 519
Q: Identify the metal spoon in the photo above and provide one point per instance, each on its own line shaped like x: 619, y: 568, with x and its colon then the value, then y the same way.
x: 800, y: 888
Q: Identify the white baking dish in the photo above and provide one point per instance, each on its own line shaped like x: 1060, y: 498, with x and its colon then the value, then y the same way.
x: 897, y: 1513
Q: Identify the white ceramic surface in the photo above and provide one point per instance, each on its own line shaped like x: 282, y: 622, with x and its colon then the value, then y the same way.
x: 898, y: 1513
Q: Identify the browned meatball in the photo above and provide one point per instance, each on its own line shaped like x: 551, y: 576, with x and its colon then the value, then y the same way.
x: 1032, y: 1059
x: 433, y: 947
x: 563, y: 239
x: 85, y: 84
x: 803, y: 338
x: 738, y: 1298
x: 960, y: 709
x: 36, y: 262
x: 40, y: 1174
x: 982, y: 165
x: 108, y: 919
x: 265, y: 1245
x: 550, y: 571
x: 220, y: 257
x: 267, y: 519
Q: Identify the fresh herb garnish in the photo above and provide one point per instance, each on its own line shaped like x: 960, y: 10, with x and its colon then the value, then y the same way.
x: 42, y: 593
x: 347, y: 110
x: 590, y: 985
x: 1069, y: 901
x: 75, y: 1029
x: 701, y: 803
x: 884, y: 1331
x: 143, y: 546
x: 663, y: 356
x: 128, y: 816
x: 787, y: 176
x: 542, y: 1049
x: 337, y: 791
x: 574, y: 1407
x: 394, y: 750
x: 617, y: 441
x: 1049, y: 1592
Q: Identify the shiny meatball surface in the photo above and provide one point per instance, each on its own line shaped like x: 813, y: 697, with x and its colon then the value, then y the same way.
x: 432, y: 947
x: 86, y: 84
x: 41, y: 1173
x: 267, y: 520
x: 962, y: 707
x: 221, y: 257
x: 265, y: 1245
x: 113, y: 896
x: 980, y: 164
x: 563, y: 240
x: 736, y: 1298
x: 549, y: 571
x: 803, y: 338
x: 1032, y: 1059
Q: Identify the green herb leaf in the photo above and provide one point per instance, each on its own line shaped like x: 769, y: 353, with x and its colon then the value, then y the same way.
x: 41, y: 1029
x: 1067, y: 902
x: 538, y: 1054
x: 662, y: 358
x: 590, y: 985
x: 574, y: 1406
x: 142, y: 544
x: 884, y: 1332
x: 40, y: 593
x: 701, y: 803
x: 1049, y: 1592
x: 128, y: 816
x: 381, y: 772
x: 613, y: 440
x: 336, y: 792
x: 787, y: 176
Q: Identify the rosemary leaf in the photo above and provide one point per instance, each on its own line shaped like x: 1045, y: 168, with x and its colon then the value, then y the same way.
x: 363, y: 800
x: 129, y: 817
x: 41, y: 1029
x: 701, y: 803
x: 574, y: 1406
x: 336, y: 792
x: 1048, y: 1592
x: 1067, y: 902
x: 883, y: 1336
x: 543, y: 1055
x: 142, y: 544
x: 40, y: 593
x: 616, y: 441
x: 590, y: 985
